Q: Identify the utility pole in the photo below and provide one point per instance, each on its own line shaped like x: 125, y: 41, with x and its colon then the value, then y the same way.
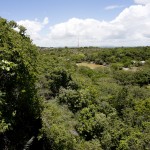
x: 78, y: 44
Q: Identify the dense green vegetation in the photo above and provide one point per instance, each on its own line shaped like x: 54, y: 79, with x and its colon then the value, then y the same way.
x: 20, y: 107
x: 48, y: 102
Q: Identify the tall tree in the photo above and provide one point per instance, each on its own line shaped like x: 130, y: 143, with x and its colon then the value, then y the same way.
x: 20, y: 106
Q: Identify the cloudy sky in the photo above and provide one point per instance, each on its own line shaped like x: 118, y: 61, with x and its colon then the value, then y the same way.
x: 55, y: 23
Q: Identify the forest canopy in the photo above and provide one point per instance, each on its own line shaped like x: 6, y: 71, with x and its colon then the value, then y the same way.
x: 19, y: 105
x: 49, y: 100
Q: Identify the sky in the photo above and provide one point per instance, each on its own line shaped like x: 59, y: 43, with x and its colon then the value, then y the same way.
x: 60, y: 23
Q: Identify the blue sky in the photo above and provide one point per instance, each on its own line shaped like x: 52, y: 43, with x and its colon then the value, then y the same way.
x: 61, y: 10
x: 93, y: 22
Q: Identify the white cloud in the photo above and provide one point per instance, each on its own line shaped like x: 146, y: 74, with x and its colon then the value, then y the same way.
x: 113, y: 7
x: 88, y: 31
x: 129, y: 28
x: 142, y: 1
x: 45, y: 21
x: 34, y: 27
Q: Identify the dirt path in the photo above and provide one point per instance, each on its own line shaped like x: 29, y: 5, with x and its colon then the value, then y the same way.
x: 90, y: 65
